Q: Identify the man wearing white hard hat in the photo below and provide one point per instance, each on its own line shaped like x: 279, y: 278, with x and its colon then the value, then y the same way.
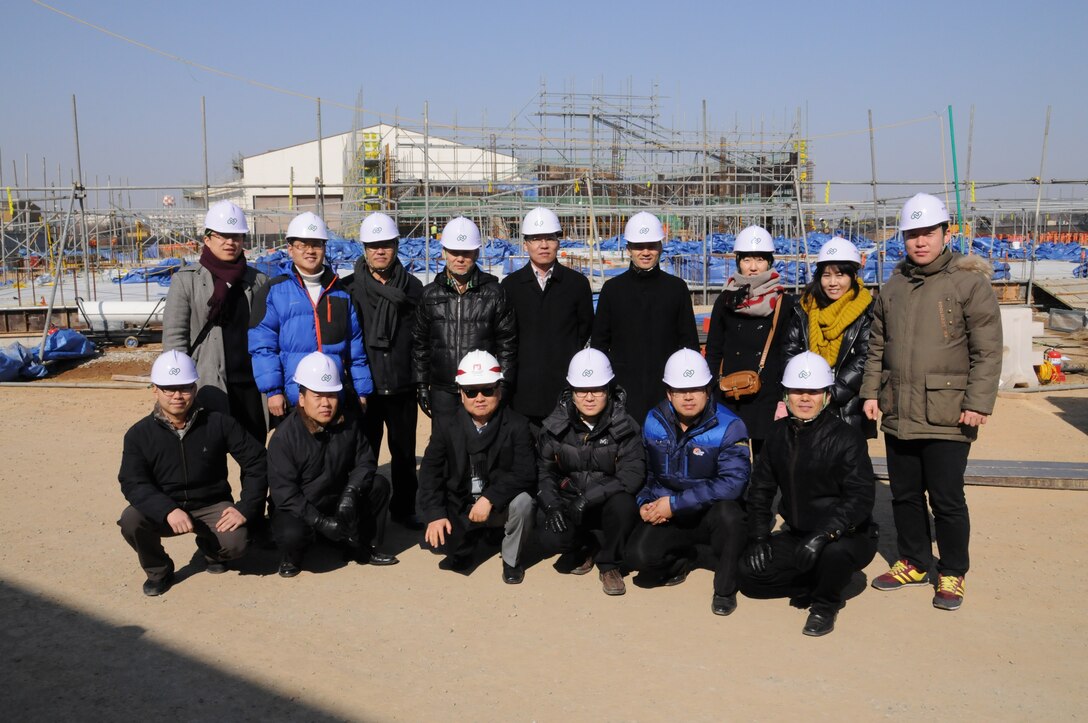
x: 174, y: 476
x: 305, y: 310
x: 833, y: 319
x: 207, y: 317
x: 931, y: 375
x: 322, y: 475
x: 643, y: 316
x: 386, y: 298
x: 554, y: 308
x: 821, y: 466
x: 697, y: 466
x: 591, y: 463
x: 479, y: 472
x: 463, y: 309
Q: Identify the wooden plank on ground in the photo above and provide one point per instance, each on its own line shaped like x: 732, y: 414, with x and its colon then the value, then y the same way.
x: 1014, y: 473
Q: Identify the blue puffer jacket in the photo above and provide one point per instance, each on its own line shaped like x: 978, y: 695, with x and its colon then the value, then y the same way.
x: 286, y: 325
x: 708, y: 463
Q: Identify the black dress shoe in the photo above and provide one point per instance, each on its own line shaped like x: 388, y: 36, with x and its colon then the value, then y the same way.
x: 380, y: 559
x: 723, y: 604
x: 677, y: 578
x: 216, y: 567
x: 512, y: 574
x: 289, y: 568
x: 819, y: 623
x: 154, y: 588
x: 455, y: 563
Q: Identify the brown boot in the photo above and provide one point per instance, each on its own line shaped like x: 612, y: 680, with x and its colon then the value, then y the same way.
x: 612, y: 582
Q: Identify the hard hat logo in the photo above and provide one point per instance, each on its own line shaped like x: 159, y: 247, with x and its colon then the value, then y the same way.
x: 689, y: 373
x: 916, y: 215
x: 326, y: 377
x: 832, y: 250
x: 539, y: 222
x: 312, y: 227
x: 644, y: 230
x: 232, y: 221
x: 462, y: 237
x: 804, y: 374
x: 377, y: 229
x: 587, y: 373
x: 174, y: 371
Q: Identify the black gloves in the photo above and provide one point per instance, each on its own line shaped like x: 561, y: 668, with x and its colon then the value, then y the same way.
x: 576, y: 508
x: 759, y: 554
x: 555, y: 521
x: 810, y: 549
x: 331, y: 528
x: 347, y: 509
x: 423, y: 398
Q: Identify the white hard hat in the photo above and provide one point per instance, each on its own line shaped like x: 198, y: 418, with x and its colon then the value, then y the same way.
x: 461, y: 234
x: 839, y: 249
x: 173, y: 369
x: 589, y: 368
x: 753, y: 240
x: 686, y: 369
x: 643, y: 228
x: 922, y: 211
x: 478, y: 367
x: 226, y: 217
x: 307, y: 225
x: 378, y: 227
x: 319, y: 373
x: 540, y: 221
x: 807, y: 370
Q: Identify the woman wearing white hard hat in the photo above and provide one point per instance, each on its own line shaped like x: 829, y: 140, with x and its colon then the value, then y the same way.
x: 833, y: 320
x: 747, y: 329
x: 207, y: 316
x: 591, y: 464
x: 463, y: 309
x: 821, y: 466
x: 697, y: 466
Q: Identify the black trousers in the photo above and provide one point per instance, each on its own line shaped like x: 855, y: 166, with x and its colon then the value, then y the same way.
x: 145, y: 536
x: 293, y: 536
x: 247, y: 408
x: 670, y: 548
x: 399, y: 413
x: 933, y: 467
x: 443, y: 403
x: 615, y: 518
x: 825, y: 583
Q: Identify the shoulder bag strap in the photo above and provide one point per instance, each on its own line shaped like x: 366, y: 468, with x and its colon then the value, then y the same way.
x: 770, y: 336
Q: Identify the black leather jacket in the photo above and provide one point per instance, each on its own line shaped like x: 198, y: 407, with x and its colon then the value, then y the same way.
x: 449, y: 325
x: 849, y: 367
x: 824, y: 472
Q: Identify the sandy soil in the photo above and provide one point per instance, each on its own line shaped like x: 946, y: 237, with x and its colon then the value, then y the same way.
x: 412, y: 642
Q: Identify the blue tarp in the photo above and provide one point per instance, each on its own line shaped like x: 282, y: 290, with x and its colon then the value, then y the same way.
x: 18, y: 361
x: 159, y: 274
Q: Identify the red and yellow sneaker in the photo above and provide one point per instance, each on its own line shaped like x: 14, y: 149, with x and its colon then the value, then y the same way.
x: 902, y: 574
x: 949, y: 594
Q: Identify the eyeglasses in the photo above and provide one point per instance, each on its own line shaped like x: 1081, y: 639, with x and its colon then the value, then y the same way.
x: 473, y: 392
x: 184, y: 390
x: 229, y: 236
x: 308, y: 243
x: 587, y: 393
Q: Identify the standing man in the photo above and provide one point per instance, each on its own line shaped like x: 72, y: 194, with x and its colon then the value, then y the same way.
x: 554, y: 309
x: 932, y: 371
x: 207, y: 317
x: 174, y: 476
x: 323, y: 479
x: 479, y: 471
x: 697, y: 466
x: 301, y: 312
x: 386, y: 298
x: 461, y: 310
x: 643, y: 316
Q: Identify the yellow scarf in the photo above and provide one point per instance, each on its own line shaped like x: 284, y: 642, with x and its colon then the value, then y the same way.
x: 826, y: 325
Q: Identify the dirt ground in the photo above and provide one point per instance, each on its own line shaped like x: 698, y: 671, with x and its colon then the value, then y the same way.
x: 412, y: 642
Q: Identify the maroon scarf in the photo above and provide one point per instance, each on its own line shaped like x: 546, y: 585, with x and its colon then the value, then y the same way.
x: 227, y: 275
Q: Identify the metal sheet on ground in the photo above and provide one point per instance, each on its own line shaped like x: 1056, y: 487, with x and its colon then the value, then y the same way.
x: 1014, y: 473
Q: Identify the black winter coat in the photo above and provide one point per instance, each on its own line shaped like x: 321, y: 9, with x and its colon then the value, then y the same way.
x: 390, y: 368
x: 445, y: 486
x: 450, y: 325
x: 553, y: 324
x: 824, y: 472
x: 642, y: 318
x: 596, y: 462
x: 161, y: 471
x: 849, y: 367
x: 734, y: 343
x: 308, y: 471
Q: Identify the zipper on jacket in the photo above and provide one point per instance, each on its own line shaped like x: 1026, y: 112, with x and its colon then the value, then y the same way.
x: 795, y: 436
x: 184, y: 467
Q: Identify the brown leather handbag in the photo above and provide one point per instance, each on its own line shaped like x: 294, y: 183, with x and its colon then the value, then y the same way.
x: 738, y: 385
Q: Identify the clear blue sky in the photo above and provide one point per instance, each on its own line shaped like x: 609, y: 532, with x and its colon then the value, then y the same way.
x: 139, y: 112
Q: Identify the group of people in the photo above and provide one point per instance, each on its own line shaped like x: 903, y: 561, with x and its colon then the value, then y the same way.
x: 602, y: 436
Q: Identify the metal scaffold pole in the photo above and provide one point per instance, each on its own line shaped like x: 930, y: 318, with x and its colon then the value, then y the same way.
x: 1038, y: 201
x: 876, y: 206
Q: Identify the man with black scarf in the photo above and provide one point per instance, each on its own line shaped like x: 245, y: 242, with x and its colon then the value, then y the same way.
x: 207, y: 316
x: 643, y: 316
x: 386, y: 297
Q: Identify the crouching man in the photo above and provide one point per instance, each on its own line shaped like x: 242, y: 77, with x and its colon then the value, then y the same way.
x: 697, y: 465
x: 323, y: 479
x: 478, y: 471
x: 821, y: 465
x: 174, y: 476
